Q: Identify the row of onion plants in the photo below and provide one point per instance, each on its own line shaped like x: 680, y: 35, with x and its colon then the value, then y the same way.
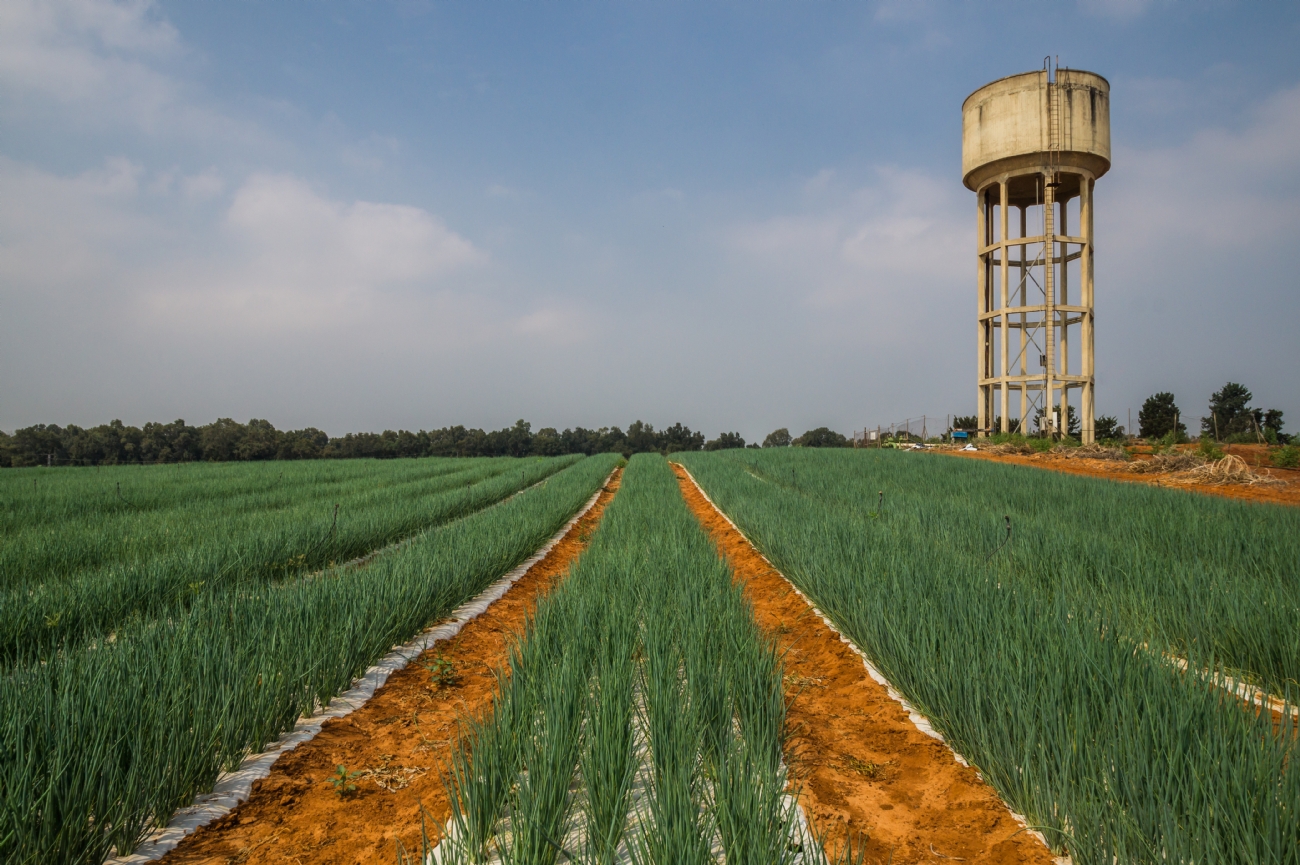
x: 101, y: 743
x: 641, y: 714
x: 155, y: 560
x: 1182, y: 572
x: 1032, y: 655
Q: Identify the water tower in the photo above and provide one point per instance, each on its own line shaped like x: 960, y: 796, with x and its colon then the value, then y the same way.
x: 1033, y: 146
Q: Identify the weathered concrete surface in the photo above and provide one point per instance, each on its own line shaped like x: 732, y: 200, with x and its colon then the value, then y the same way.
x: 1005, y: 125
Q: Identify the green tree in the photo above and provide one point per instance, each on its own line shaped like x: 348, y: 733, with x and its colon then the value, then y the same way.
x: 547, y: 443
x: 822, y: 437
x: 679, y: 438
x: 1107, y: 427
x: 37, y: 445
x: 779, y: 438
x: 220, y: 438
x: 641, y: 438
x: 260, y: 441
x: 1158, y: 415
x: 1230, y: 412
x: 302, y: 444
x: 1270, y: 422
x: 725, y: 441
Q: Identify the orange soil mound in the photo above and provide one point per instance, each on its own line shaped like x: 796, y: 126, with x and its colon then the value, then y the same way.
x: 1286, y: 494
x: 402, y: 739
x: 864, y: 767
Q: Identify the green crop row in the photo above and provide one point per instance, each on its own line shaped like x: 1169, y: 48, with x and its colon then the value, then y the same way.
x: 75, y: 495
x: 195, y: 548
x: 642, y: 704
x: 1042, y: 655
x: 1182, y: 571
x: 101, y: 743
x: 130, y: 520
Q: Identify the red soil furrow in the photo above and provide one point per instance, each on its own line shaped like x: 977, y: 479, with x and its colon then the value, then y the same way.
x: 1285, y: 493
x: 400, y: 741
x: 864, y: 768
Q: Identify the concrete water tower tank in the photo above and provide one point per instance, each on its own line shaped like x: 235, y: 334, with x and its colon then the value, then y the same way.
x: 1033, y: 145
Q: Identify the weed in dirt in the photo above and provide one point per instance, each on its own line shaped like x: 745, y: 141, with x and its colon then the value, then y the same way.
x: 344, y: 782
x: 392, y: 778
x: 801, y: 682
x: 1209, y: 450
x: 868, y: 769
x: 442, y: 671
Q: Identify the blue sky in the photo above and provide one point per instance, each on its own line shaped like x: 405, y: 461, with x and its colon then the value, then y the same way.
x: 735, y: 215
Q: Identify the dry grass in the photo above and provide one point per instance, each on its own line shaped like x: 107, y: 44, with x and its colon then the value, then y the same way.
x: 1090, y: 452
x: 1192, y: 468
x: 1166, y: 463
x: 1232, y: 469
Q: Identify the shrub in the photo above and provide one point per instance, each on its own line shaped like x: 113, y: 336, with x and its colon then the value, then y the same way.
x: 1288, y: 457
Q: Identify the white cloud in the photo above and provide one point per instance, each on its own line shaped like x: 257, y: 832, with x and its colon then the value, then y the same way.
x: 899, y: 235
x: 278, y: 256
x: 204, y: 185
x: 286, y: 220
x: 297, y: 260
x: 78, y: 64
x: 1220, y: 190
x: 81, y: 50
x: 64, y: 231
x: 555, y: 325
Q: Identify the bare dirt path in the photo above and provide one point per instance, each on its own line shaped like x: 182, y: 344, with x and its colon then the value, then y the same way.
x: 865, y: 768
x: 400, y: 741
x: 1286, y: 493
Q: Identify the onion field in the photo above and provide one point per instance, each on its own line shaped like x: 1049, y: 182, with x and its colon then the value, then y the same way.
x: 1048, y: 654
x: 87, y: 550
x: 1069, y: 637
x: 196, y: 613
x: 644, y: 685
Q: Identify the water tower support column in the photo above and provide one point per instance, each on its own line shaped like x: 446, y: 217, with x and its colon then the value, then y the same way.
x: 1086, y: 407
x: 1005, y: 319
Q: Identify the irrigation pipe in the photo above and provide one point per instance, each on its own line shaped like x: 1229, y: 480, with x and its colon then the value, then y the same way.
x: 1005, y: 540
x: 921, y: 722
x: 233, y: 788
x: 119, y: 494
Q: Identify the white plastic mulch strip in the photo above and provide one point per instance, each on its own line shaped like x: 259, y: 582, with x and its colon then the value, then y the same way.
x: 232, y: 788
x: 1243, y: 690
x: 918, y: 720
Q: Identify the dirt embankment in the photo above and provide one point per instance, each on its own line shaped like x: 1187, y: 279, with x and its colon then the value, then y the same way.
x: 864, y: 767
x: 1286, y: 492
x: 400, y: 743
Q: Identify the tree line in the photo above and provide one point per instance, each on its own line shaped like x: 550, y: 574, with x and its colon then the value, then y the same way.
x: 226, y: 440
x: 1231, y: 419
